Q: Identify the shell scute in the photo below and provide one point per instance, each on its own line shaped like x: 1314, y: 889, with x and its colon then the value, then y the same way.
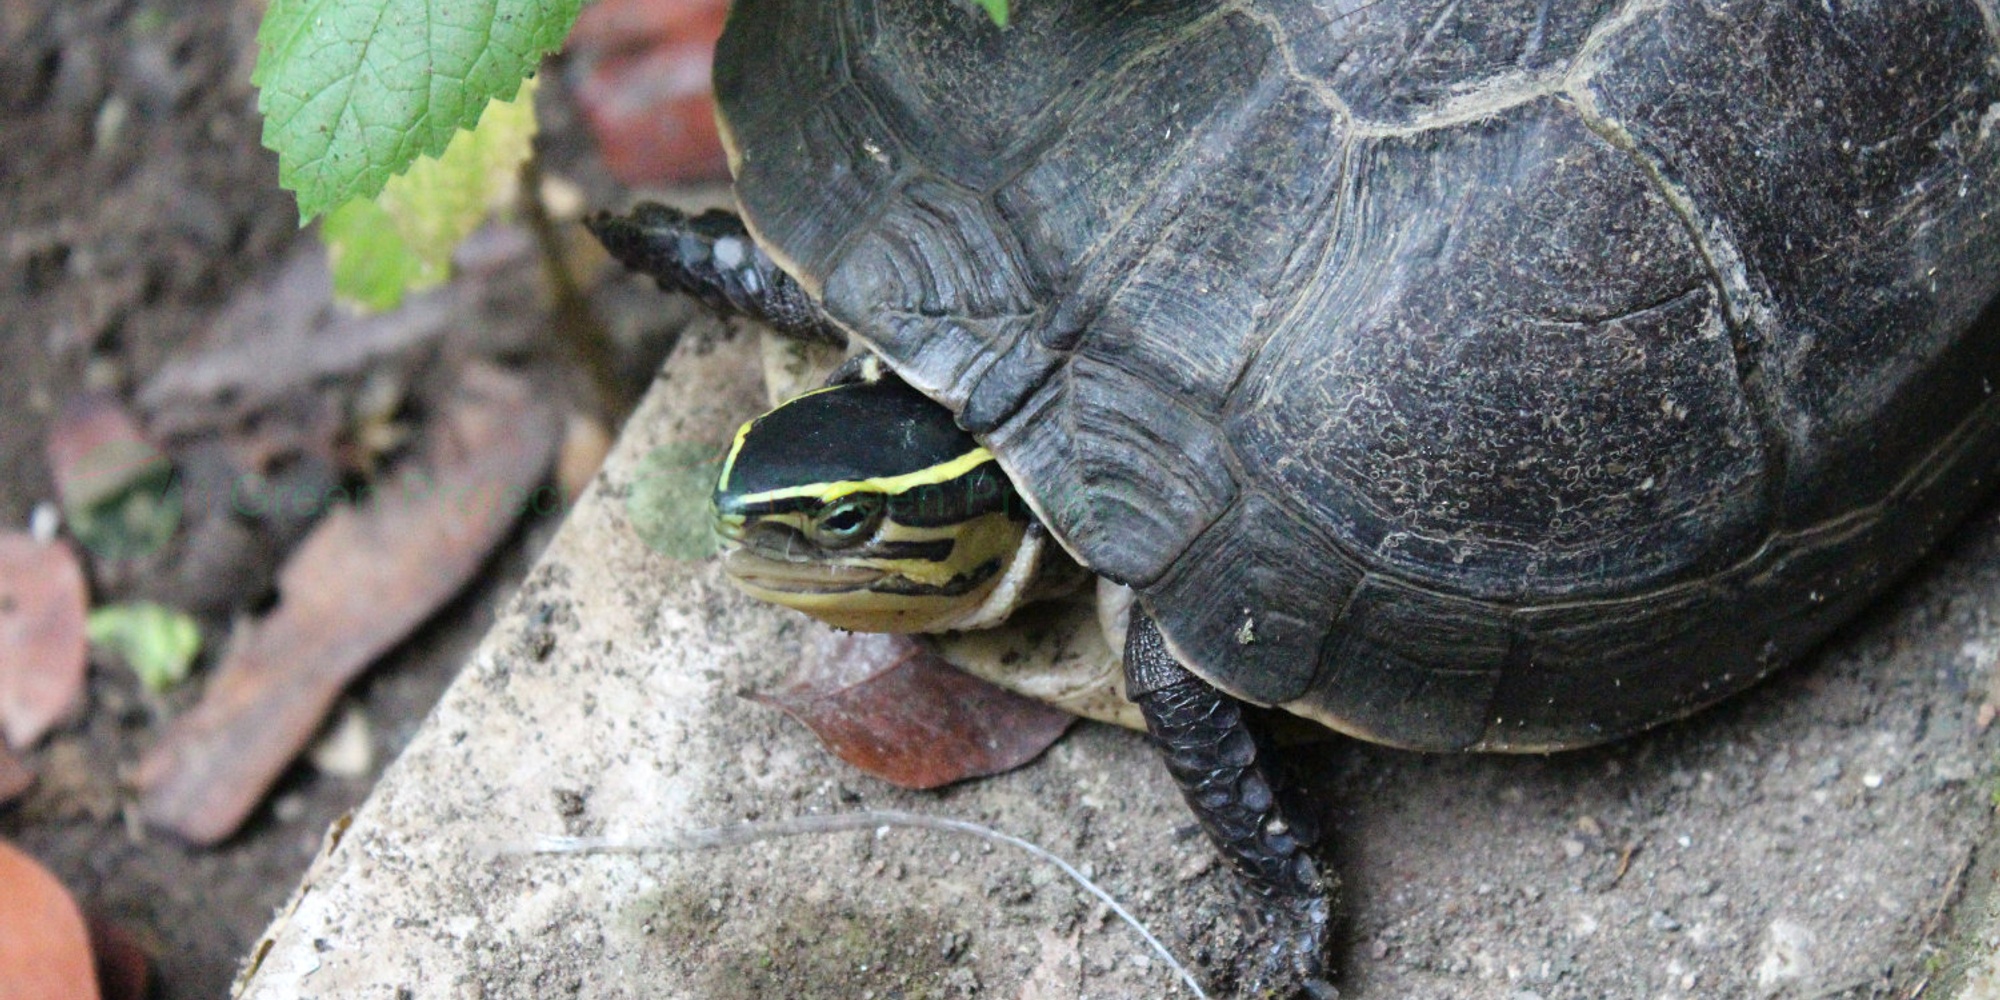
x: 1838, y: 164
x: 1279, y: 609
x: 1492, y: 397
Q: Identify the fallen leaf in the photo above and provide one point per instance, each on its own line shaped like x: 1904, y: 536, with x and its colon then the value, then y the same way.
x: 45, y: 952
x: 116, y: 487
x: 890, y: 706
x: 96, y: 450
x: 157, y: 642
x: 42, y: 647
x: 15, y: 776
x: 281, y: 337
x: 123, y: 970
x: 645, y: 90
x: 364, y: 578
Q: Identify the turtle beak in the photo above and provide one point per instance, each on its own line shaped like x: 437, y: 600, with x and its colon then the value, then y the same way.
x: 768, y: 578
x: 768, y: 561
x: 729, y: 528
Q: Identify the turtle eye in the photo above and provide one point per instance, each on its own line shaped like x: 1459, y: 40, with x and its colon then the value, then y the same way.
x: 846, y: 521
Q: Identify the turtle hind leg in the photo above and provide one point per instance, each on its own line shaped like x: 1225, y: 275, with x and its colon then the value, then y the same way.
x: 712, y: 257
x: 1215, y: 758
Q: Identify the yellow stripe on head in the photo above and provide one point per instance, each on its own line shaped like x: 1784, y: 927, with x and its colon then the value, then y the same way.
x: 886, y: 485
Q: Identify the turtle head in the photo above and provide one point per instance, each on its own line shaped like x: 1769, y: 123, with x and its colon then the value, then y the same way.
x: 864, y: 505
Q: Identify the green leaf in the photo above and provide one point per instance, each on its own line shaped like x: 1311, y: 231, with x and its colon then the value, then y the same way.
x: 402, y: 240
x: 353, y: 91
x: 127, y: 502
x: 668, y: 504
x: 997, y: 10
x: 372, y: 264
x: 158, y: 642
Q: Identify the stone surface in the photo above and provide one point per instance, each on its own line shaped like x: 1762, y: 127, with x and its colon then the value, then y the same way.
x: 1808, y: 839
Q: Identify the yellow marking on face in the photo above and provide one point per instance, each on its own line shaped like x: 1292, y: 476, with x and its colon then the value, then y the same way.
x: 975, y: 542
x: 868, y: 611
x: 873, y: 606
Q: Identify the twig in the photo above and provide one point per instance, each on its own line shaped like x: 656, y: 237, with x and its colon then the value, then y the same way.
x: 1624, y: 863
x: 1954, y: 884
x: 750, y: 833
x: 577, y: 329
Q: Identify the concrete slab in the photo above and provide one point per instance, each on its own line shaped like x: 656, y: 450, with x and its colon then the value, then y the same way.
x: 1806, y: 840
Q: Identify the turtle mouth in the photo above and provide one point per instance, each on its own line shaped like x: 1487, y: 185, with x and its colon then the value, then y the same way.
x: 757, y: 572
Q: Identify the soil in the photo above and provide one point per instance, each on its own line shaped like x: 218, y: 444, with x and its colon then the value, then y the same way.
x: 138, y: 202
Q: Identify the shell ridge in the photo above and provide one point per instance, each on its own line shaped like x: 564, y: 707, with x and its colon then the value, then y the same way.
x: 1744, y: 308
x: 1282, y: 43
x: 1106, y: 265
x: 871, y: 215
x: 1308, y: 260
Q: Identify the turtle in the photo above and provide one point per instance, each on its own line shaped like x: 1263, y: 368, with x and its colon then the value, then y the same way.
x: 1498, y: 376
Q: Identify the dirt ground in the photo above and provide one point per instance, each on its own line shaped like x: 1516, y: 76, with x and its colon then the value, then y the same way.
x: 138, y: 201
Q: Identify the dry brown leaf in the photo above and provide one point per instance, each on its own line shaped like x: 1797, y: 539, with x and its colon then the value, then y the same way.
x: 96, y: 450
x: 890, y: 706
x: 283, y: 336
x: 45, y: 949
x: 123, y: 970
x: 356, y: 586
x: 43, y: 601
x: 15, y: 776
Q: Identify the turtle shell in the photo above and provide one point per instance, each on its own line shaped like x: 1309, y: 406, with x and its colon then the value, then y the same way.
x: 1499, y: 375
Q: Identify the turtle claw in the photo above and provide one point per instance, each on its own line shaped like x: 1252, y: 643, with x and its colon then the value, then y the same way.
x: 1288, y: 962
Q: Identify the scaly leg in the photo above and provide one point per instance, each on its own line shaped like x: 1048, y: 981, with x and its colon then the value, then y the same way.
x: 712, y: 257
x: 1213, y: 756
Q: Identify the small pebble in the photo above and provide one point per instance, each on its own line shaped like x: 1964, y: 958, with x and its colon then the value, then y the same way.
x: 44, y: 521
x: 288, y: 808
x: 347, y: 750
x: 1786, y: 954
x: 1196, y: 866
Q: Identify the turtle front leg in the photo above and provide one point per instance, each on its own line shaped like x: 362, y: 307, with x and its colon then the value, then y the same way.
x: 1212, y: 754
x: 712, y: 257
